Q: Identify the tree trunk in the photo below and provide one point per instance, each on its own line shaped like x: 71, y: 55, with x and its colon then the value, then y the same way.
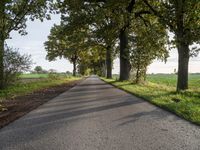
x: 145, y: 74
x: 183, y: 62
x: 138, y: 73
x: 1, y: 63
x: 2, y: 41
x: 108, y: 63
x: 124, y: 55
x: 74, y: 68
x: 183, y: 47
x: 125, y: 66
x: 104, y: 69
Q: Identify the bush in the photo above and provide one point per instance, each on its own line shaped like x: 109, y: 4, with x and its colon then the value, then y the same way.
x: 14, y: 65
x: 38, y: 69
x: 54, y: 76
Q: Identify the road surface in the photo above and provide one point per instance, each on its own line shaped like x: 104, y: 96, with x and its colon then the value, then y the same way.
x: 97, y: 116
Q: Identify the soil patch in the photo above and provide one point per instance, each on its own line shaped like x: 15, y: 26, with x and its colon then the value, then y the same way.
x: 21, y: 105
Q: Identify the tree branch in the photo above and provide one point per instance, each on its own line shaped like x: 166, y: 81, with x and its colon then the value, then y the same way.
x: 15, y: 21
x: 130, y: 6
x: 156, y: 13
x: 138, y: 14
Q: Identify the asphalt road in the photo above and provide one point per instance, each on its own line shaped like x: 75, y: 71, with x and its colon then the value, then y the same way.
x: 97, y: 116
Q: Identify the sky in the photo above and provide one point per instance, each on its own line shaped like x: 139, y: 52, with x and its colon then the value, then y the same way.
x: 33, y: 44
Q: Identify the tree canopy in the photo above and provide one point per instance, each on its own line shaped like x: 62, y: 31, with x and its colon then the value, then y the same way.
x: 93, y: 33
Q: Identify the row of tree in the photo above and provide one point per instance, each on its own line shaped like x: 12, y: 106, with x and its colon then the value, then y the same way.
x: 98, y: 30
x: 92, y: 33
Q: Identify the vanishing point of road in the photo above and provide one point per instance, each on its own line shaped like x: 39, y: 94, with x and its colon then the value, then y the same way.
x: 96, y: 116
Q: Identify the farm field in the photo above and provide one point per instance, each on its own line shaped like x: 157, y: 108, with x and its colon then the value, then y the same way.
x: 160, y: 90
x: 24, y: 96
x: 170, y: 79
x: 29, y: 83
x: 33, y: 76
x: 40, y: 76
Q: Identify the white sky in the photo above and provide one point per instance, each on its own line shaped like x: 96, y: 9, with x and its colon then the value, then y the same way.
x: 37, y: 35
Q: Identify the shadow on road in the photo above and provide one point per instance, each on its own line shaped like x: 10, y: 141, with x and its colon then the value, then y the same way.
x: 80, y: 103
x: 155, y: 114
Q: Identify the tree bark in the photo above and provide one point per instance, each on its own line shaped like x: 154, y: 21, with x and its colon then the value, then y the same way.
x: 183, y: 62
x: 2, y: 41
x: 145, y: 74
x: 1, y: 64
x: 183, y: 47
x: 108, y: 63
x: 74, y: 68
x: 124, y: 55
x: 138, y: 75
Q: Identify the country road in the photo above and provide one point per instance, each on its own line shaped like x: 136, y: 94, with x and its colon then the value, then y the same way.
x: 96, y: 116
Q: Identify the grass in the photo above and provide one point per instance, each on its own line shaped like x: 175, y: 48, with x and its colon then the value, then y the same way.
x: 170, y: 79
x: 33, y: 76
x: 160, y: 90
x: 40, y: 76
x: 26, y: 88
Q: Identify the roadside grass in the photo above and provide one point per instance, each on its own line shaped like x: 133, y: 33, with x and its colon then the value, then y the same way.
x: 161, y: 92
x: 21, y: 88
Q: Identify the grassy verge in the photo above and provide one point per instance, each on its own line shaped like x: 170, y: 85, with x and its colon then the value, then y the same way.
x: 185, y: 104
x: 20, y: 89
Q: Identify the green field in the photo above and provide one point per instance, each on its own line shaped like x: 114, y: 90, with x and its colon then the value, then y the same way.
x: 29, y: 83
x: 35, y: 83
x: 33, y: 76
x: 40, y: 76
x: 160, y: 90
x: 170, y: 79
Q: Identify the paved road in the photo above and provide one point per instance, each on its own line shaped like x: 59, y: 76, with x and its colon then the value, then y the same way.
x: 97, y: 116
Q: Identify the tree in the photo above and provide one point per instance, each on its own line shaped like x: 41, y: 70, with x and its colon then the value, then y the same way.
x: 93, y: 60
x: 64, y: 42
x: 13, y: 16
x: 104, y: 36
x: 181, y: 17
x: 85, y: 15
x: 147, y: 42
x: 120, y: 12
x: 14, y: 65
x: 38, y: 69
x: 74, y: 44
